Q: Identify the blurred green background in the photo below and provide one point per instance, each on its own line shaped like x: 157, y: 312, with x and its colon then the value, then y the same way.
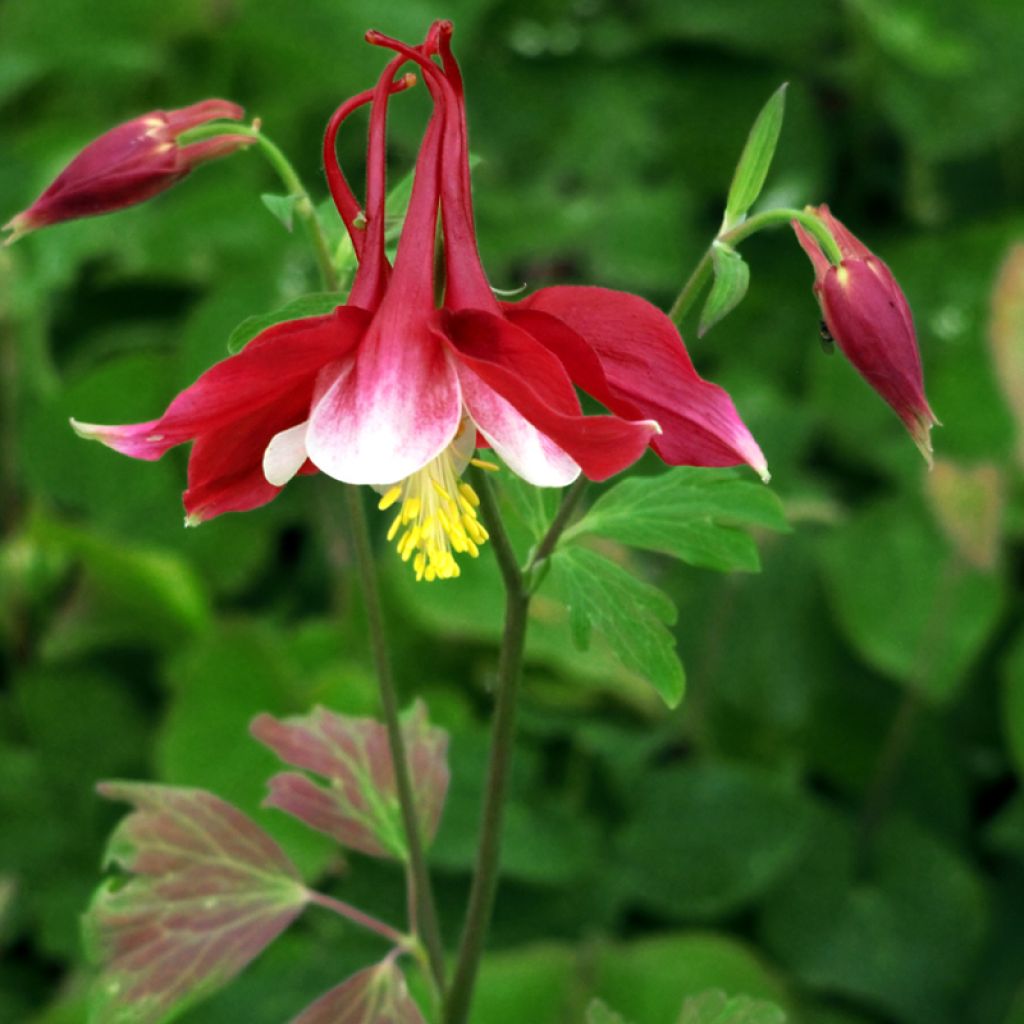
x: 833, y: 818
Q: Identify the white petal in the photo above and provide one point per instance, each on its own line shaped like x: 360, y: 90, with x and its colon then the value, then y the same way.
x: 527, y: 452
x: 285, y: 454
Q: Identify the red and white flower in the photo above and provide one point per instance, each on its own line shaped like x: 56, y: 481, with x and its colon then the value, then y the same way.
x: 393, y: 392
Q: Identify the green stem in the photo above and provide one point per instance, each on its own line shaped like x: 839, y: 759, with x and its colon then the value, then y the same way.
x: 767, y: 219
x: 304, y: 208
x: 510, y: 663
x: 422, y: 909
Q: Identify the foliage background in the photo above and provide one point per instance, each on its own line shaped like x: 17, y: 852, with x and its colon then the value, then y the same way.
x: 833, y: 818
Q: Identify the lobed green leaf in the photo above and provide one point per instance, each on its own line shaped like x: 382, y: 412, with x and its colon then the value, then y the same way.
x: 693, y: 514
x: 632, y: 616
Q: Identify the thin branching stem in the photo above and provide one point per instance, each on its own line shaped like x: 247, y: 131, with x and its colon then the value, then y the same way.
x: 510, y: 662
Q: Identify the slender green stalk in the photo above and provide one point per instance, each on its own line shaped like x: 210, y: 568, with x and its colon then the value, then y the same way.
x: 510, y: 662
x: 767, y: 219
x: 303, y: 207
x: 422, y: 909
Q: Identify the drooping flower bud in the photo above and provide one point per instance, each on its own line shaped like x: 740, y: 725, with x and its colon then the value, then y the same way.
x: 130, y: 164
x: 868, y: 316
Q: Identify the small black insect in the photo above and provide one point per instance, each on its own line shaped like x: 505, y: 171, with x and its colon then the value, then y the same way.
x: 828, y: 343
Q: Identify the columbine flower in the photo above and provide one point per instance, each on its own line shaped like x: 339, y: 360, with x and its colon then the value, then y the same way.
x: 615, y: 346
x: 390, y: 391
x: 867, y: 314
x: 129, y: 164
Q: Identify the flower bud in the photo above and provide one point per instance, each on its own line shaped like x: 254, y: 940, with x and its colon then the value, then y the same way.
x: 867, y: 315
x: 129, y: 164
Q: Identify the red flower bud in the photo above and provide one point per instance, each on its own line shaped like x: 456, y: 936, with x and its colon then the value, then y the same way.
x: 129, y: 164
x: 867, y: 314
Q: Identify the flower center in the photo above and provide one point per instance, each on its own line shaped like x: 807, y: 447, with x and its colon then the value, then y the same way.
x: 436, y: 516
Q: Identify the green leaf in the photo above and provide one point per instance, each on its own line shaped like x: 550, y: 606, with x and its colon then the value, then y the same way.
x: 732, y: 277
x: 910, y: 606
x: 282, y: 207
x: 375, y: 995
x: 647, y: 980
x: 715, y: 1007
x: 900, y: 929
x: 599, y: 1013
x: 126, y: 595
x: 632, y: 616
x: 746, y: 827
x: 359, y: 808
x: 755, y: 160
x: 693, y: 514
x: 209, y: 891
x: 313, y: 304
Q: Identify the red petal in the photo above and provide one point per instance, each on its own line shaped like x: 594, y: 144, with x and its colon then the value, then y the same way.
x: 649, y: 372
x: 274, y: 362
x: 521, y: 371
x: 225, y: 468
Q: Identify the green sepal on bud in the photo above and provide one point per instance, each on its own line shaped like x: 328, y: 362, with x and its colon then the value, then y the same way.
x: 755, y: 160
x: 732, y: 277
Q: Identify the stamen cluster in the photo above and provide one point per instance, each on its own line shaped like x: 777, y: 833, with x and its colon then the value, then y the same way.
x: 437, y: 514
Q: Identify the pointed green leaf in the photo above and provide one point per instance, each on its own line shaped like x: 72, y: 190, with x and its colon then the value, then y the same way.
x: 732, y: 276
x: 313, y: 304
x: 697, y: 515
x: 375, y: 995
x: 715, y: 1007
x: 282, y: 207
x: 359, y: 808
x: 632, y: 616
x: 208, y: 891
x: 755, y: 159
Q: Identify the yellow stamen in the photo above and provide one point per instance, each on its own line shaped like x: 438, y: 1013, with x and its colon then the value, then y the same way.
x: 491, y: 467
x: 436, y: 513
x: 389, y: 498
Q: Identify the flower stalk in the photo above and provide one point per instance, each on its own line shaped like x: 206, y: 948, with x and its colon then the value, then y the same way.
x: 782, y: 216
x: 303, y: 205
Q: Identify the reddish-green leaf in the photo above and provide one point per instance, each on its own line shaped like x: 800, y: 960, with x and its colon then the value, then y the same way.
x: 359, y: 805
x: 209, y: 890
x: 376, y: 995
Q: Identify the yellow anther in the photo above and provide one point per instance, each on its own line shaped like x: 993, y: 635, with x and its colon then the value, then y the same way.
x: 491, y: 467
x: 390, y: 497
x: 437, y: 516
x: 396, y: 523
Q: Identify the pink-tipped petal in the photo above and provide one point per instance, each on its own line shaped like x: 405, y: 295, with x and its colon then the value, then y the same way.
x: 283, y: 357
x: 139, y: 440
x: 650, y: 375
x: 396, y: 407
x: 522, y: 372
